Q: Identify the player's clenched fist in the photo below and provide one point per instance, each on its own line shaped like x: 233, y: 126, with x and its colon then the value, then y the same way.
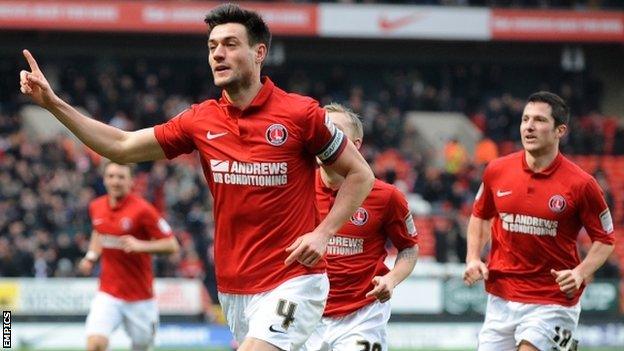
x: 569, y: 281
x: 131, y: 244
x: 383, y: 288
x: 475, y: 271
x: 34, y: 83
x: 85, y: 266
x: 308, y: 249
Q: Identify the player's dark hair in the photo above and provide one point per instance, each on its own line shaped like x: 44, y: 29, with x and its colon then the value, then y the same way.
x: 560, y: 110
x: 257, y: 29
x: 130, y: 166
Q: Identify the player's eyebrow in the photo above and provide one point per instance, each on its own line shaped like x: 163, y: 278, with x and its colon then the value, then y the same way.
x: 228, y: 38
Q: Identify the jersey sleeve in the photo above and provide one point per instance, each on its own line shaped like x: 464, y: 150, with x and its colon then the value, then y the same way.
x: 174, y: 136
x: 91, y: 209
x: 595, y: 214
x: 154, y: 225
x: 483, y: 206
x: 321, y: 136
x: 399, y: 223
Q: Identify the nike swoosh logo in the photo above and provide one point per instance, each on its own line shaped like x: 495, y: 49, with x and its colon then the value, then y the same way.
x: 272, y: 328
x: 214, y: 136
x: 388, y: 24
x: 503, y: 193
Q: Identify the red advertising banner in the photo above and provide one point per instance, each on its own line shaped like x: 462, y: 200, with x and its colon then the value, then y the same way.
x: 557, y: 26
x: 145, y: 16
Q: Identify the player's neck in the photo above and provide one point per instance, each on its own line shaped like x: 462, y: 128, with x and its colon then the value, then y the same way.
x: 331, y: 180
x: 114, y: 201
x: 540, y: 160
x: 241, y: 95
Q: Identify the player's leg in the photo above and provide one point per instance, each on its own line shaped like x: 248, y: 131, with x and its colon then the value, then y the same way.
x: 104, y: 317
x: 234, y: 307
x: 497, y: 333
x: 548, y: 327
x: 319, y: 339
x: 140, y: 321
x: 526, y: 346
x: 362, y: 330
x: 286, y: 316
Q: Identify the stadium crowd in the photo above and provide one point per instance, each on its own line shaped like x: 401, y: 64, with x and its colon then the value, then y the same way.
x: 45, y: 186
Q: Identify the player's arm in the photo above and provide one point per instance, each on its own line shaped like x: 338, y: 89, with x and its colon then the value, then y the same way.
x: 597, y: 221
x: 571, y: 280
x: 86, y: 264
x: 358, y: 181
x: 478, y: 234
x: 110, y: 142
x: 166, y: 245
x: 403, y: 267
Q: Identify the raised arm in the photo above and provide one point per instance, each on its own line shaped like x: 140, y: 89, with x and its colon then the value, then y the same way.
x: 110, y: 142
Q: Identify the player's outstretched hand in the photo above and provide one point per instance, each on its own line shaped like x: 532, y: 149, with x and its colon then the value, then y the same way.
x: 569, y: 281
x: 131, y: 244
x: 85, y: 267
x: 308, y: 249
x: 34, y: 84
x: 475, y: 271
x: 383, y: 288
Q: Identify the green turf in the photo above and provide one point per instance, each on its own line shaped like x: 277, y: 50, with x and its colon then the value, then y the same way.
x: 584, y: 349
x: 213, y: 349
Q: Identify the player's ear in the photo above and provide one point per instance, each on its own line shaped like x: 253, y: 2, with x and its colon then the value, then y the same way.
x: 261, y: 52
x: 357, y: 142
x: 561, y: 130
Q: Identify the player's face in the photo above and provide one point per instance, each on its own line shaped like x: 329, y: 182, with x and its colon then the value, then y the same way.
x: 117, y: 180
x: 232, y: 60
x: 343, y: 122
x: 538, y: 130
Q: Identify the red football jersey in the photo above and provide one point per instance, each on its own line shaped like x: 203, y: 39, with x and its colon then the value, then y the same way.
x: 536, y: 218
x: 356, y: 254
x: 127, y: 276
x: 259, y: 164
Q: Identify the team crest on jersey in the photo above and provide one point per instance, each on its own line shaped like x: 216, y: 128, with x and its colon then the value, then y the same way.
x: 557, y: 203
x: 126, y: 224
x: 276, y: 134
x: 360, y: 217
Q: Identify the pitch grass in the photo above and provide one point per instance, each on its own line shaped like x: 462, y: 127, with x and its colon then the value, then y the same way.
x: 214, y: 349
x: 584, y: 349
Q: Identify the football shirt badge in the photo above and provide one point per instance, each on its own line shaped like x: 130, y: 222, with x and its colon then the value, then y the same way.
x: 360, y: 217
x: 557, y: 203
x: 276, y: 134
x: 126, y: 223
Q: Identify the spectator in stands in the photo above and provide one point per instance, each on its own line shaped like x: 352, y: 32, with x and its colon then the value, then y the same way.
x: 486, y: 150
x: 455, y: 156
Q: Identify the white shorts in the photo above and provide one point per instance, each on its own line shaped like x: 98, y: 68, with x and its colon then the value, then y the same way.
x: 283, y: 317
x: 364, y: 329
x: 139, y: 318
x: 547, y: 327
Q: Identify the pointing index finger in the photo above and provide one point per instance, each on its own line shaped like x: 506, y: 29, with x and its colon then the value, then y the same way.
x: 31, y: 61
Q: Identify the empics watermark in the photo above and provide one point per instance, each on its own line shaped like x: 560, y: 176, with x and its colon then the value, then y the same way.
x: 6, y: 329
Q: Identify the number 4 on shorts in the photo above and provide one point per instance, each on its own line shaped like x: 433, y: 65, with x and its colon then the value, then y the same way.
x: 286, y: 309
